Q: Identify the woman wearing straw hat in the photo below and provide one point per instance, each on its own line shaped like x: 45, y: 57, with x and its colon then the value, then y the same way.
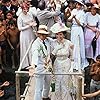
x: 62, y: 49
x: 77, y: 36
x: 41, y: 49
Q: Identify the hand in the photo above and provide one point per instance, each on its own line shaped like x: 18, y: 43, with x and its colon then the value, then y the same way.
x: 31, y: 70
x: 97, y: 71
x: 1, y: 93
x: 6, y: 83
x: 33, y: 24
x: 74, y: 16
x: 94, y: 29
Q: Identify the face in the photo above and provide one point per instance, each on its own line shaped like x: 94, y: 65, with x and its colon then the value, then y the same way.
x: 25, y: 10
x: 42, y: 36
x: 93, y: 11
x: 97, y: 60
x: 9, y: 16
x: 71, y: 5
x: 78, y: 5
x: 12, y: 26
x: 8, y: 3
x: 60, y: 36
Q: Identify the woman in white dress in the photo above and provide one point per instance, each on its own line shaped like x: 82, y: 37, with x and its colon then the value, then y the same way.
x: 62, y: 49
x: 25, y: 24
x: 77, y: 36
x: 92, y: 29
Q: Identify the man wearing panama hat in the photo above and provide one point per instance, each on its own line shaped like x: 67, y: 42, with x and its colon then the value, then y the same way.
x: 40, y: 61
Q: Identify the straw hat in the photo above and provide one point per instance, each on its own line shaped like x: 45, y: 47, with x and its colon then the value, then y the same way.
x: 59, y: 27
x: 80, y: 1
x: 43, y: 30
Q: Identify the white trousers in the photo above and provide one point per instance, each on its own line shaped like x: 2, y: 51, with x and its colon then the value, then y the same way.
x: 42, y: 86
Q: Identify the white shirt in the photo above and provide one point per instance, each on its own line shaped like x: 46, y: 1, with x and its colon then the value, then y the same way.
x: 92, y: 20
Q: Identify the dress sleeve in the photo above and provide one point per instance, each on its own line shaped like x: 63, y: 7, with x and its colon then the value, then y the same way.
x: 20, y: 24
x: 82, y: 18
x: 71, y: 47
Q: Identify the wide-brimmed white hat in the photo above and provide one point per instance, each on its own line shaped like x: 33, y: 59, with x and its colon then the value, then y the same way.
x: 43, y: 29
x: 59, y: 27
x: 80, y: 1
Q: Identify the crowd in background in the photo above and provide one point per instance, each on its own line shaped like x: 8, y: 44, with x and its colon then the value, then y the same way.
x: 18, y: 28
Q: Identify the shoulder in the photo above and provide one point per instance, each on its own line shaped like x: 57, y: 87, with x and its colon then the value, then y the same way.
x: 36, y: 43
x: 70, y: 43
x: 98, y: 16
x: 20, y: 16
x: 50, y: 39
x: 74, y: 11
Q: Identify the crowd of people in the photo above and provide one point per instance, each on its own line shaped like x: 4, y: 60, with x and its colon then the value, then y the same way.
x: 65, y: 37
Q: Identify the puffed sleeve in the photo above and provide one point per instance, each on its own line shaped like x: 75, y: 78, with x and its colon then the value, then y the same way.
x: 20, y: 24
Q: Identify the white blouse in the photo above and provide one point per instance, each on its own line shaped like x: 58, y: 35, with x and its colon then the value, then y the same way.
x: 92, y: 20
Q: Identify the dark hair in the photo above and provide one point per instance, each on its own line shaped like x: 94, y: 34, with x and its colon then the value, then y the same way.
x: 98, y: 57
x: 11, y: 22
x: 5, y: 1
x: 9, y: 11
x: 41, y: 4
x: 1, y: 8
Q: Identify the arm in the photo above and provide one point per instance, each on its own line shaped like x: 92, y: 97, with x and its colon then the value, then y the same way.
x: 71, y: 51
x: 9, y: 40
x: 92, y: 94
x: 77, y: 21
x: 92, y: 72
x: 6, y: 83
x: 34, y: 60
x: 80, y: 21
x: 20, y: 25
x: 73, y: 13
x: 49, y: 14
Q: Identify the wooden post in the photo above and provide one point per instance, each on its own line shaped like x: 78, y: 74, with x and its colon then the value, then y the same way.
x: 79, y: 90
x: 17, y: 87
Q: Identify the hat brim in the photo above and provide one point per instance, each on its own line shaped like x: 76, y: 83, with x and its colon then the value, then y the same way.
x: 80, y: 2
x: 61, y: 30
x: 43, y: 32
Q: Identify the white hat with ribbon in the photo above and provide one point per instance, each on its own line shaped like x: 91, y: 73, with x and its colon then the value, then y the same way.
x: 59, y: 27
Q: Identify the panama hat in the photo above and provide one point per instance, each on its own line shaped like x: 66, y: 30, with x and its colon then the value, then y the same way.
x: 43, y: 29
x: 59, y: 27
x: 80, y: 1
